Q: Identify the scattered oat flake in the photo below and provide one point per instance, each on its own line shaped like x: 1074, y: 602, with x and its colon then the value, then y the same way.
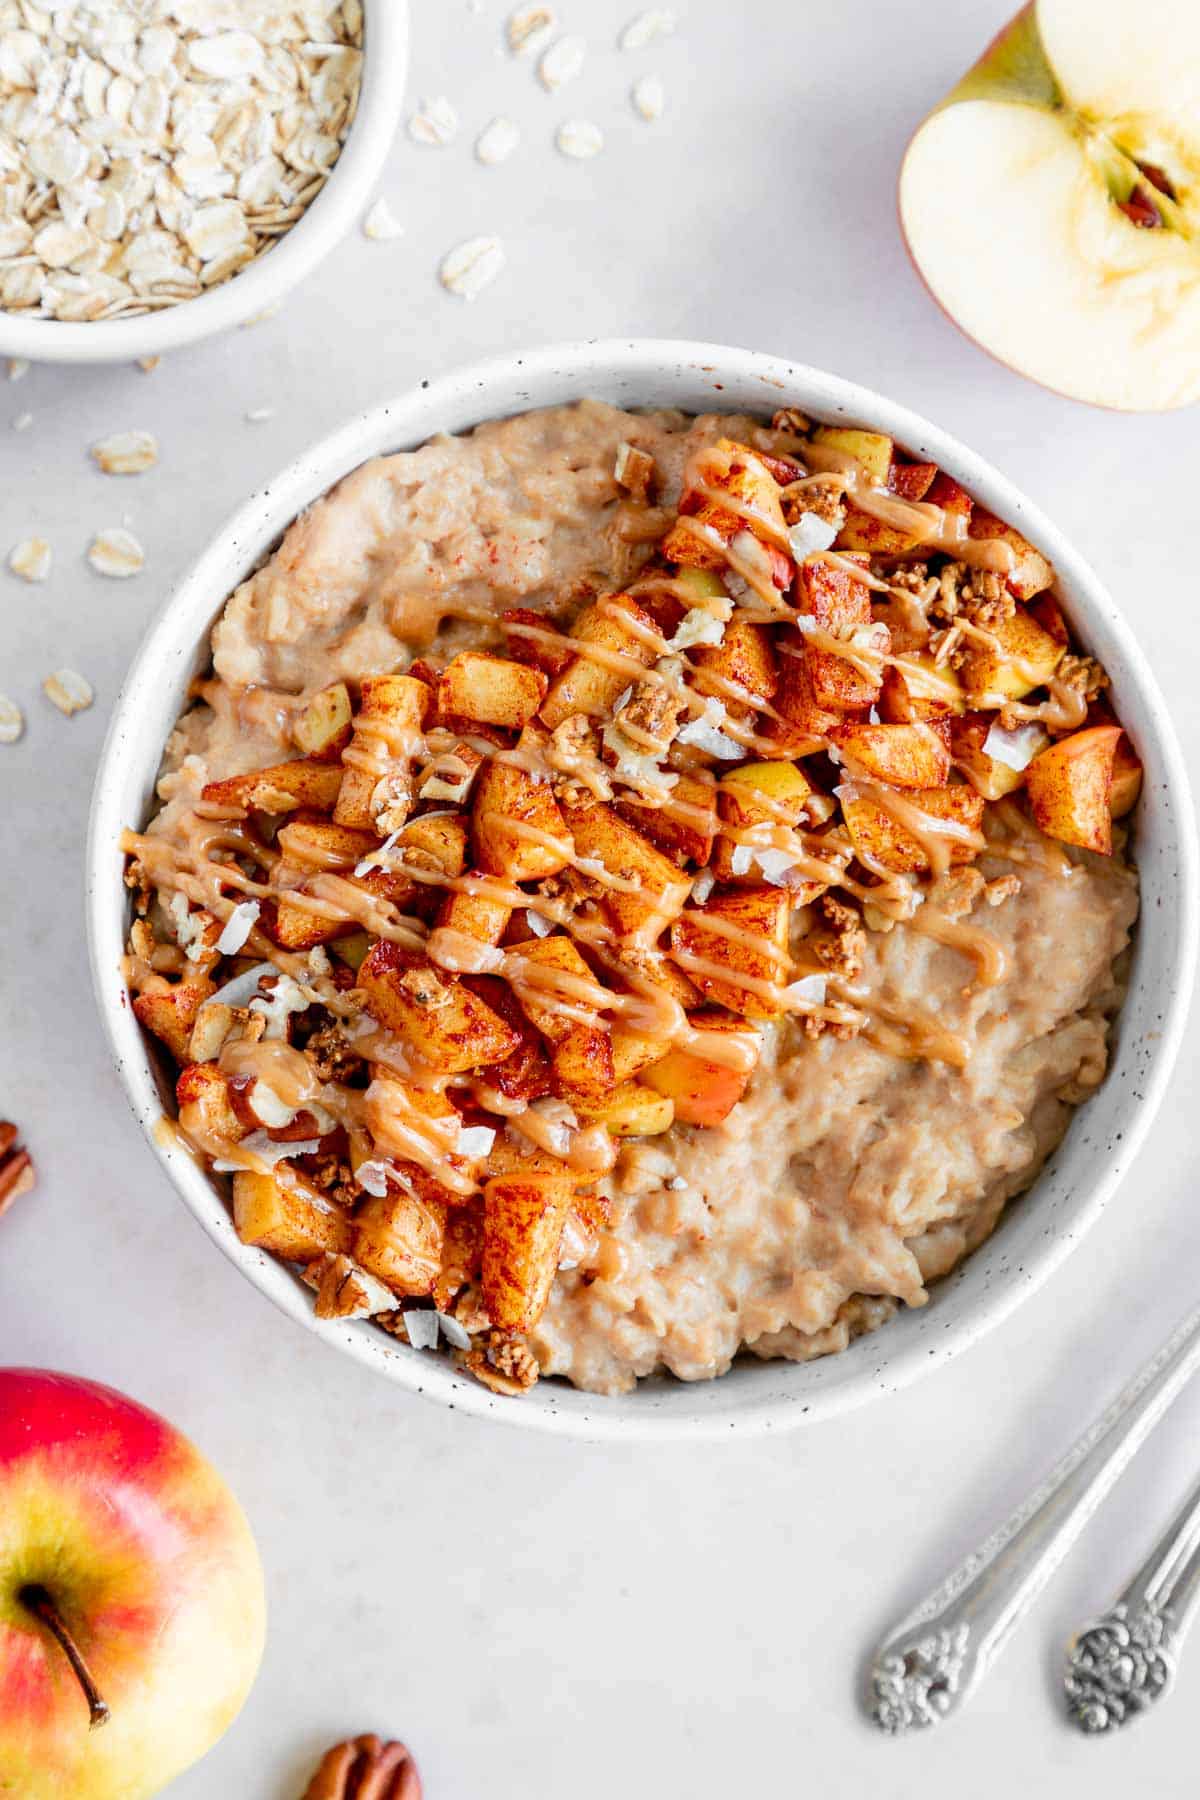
x: 648, y: 97
x: 116, y: 553
x: 579, y: 138
x: 12, y: 720
x: 126, y: 453
x: 496, y: 142
x: 529, y: 29
x: 148, y: 363
x: 658, y: 22
x: 381, y: 224
x: 471, y: 266
x: 22, y: 422
x: 435, y: 124
x: 267, y: 312
x: 69, y: 691
x: 18, y: 368
x: 30, y: 559
x: 259, y: 415
x: 561, y: 63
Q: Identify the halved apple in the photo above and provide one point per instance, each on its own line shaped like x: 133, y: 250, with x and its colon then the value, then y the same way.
x: 1052, y: 201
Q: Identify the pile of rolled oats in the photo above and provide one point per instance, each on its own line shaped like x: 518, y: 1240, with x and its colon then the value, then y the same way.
x: 149, y: 149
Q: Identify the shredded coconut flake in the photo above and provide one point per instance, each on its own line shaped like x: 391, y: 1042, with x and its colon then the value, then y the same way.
x: 742, y: 859
x: 703, y: 886
x: 1015, y: 749
x: 539, y: 926
x: 238, y: 991
x: 810, y: 533
x: 456, y: 1335
x: 775, y: 865
x: 268, y: 1151
x: 700, y: 626
x: 809, y: 989
x: 422, y: 1329
x: 475, y: 1140
x: 237, y: 928
x: 372, y: 1177
x: 705, y: 733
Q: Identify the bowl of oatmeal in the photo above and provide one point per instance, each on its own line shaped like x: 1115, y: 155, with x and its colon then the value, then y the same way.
x: 172, y: 171
x: 614, y: 888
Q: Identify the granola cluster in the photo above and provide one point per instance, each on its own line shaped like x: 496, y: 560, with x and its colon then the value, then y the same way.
x: 512, y: 908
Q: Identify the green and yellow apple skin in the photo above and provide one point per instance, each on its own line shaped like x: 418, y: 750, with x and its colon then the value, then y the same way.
x: 150, y: 1563
x: 1013, y: 195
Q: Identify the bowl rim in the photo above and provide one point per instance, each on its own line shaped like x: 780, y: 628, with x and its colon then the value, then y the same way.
x: 589, y: 364
x: 264, y: 282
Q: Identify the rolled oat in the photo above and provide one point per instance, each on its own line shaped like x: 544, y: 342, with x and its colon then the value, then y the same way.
x: 70, y: 691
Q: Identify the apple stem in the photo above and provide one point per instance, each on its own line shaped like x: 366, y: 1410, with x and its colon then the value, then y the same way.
x: 36, y: 1600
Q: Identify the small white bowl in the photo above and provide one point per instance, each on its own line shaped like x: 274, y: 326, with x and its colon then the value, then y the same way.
x: 263, y: 283
x: 1036, y: 1233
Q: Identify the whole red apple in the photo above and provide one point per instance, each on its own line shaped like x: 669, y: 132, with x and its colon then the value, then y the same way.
x: 132, y: 1611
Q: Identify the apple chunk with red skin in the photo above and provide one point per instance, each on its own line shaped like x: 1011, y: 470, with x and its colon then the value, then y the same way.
x: 1051, y: 202
x: 132, y: 1612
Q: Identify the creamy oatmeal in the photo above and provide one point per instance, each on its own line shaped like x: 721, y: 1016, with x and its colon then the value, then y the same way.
x: 635, y: 889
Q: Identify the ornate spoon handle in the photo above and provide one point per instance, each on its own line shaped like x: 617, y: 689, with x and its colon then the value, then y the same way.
x: 928, y: 1665
x: 1128, y: 1658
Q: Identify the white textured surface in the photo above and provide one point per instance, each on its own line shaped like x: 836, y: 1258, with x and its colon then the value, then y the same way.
x: 590, y: 1621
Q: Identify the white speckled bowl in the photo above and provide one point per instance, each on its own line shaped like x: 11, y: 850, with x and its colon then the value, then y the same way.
x: 1038, y: 1231
x: 264, y: 283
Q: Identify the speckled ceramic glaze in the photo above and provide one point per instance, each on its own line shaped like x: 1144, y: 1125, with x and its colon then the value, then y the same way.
x: 1037, y: 1232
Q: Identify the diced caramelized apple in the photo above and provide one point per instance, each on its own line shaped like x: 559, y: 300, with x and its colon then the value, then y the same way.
x: 918, y: 687
x: 1127, y: 779
x: 293, y: 925
x: 735, y: 950
x: 614, y: 626
x: 386, y: 737
x: 490, y: 690
x: 206, y: 1109
x: 684, y: 827
x: 871, y: 449
x: 475, y: 915
x: 517, y: 829
x: 281, y: 788
x: 990, y: 777
x: 309, y: 841
x: 462, y: 1253
x: 911, y: 480
x: 541, y: 989
x: 950, y: 495
x: 1030, y: 573
x: 1070, y: 788
x: 523, y: 1218
x: 705, y: 1090
x: 746, y: 658
x: 169, y: 1011
x: 1022, y: 658
x: 631, y: 1110
x: 552, y: 656
x: 291, y: 1219
x: 906, y: 756
x: 659, y: 891
x: 582, y: 1065
x: 802, y: 725
x: 322, y: 730
x: 840, y: 604
x: 764, y: 795
x: 951, y: 816
x: 733, y: 469
x: 632, y: 1052
x: 398, y: 1238
x: 448, y: 1026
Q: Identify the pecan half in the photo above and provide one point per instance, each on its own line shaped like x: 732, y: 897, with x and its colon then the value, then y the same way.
x: 365, y: 1768
x: 16, y: 1166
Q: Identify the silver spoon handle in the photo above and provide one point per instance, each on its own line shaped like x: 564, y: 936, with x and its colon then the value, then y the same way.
x: 1127, y: 1659
x: 929, y: 1664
